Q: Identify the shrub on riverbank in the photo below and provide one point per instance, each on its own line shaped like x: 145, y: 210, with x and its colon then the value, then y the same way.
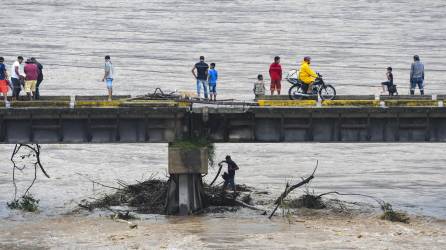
x: 26, y: 203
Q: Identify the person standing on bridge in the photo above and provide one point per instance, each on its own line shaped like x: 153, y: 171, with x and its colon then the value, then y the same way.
x: 212, y: 79
x: 17, y: 78
x: 230, y: 175
x: 3, y: 80
x: 201, y: 76
x: 259, y: 87
x: 416, y: 76
x: 32, y: 73
x: 108, y: 76
x: 39, y: 77
x: 275, y: 73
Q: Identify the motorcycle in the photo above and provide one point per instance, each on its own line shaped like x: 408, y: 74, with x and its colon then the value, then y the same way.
x: 318, y: 88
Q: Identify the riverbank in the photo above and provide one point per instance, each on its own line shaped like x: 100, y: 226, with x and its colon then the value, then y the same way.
x: 244, y: 230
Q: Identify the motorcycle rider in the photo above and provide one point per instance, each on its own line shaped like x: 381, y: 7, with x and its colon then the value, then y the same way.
x: 306, y: 75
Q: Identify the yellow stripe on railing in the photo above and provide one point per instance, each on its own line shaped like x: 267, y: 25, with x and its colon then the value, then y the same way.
x: 113, y: 103
x: 348, y: 103
x: 351, y: 103
x: 411, y: 103
x: 298, y: 103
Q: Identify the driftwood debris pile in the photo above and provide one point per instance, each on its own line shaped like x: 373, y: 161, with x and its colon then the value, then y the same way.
x: 146, y: 197
x: 150, y: 197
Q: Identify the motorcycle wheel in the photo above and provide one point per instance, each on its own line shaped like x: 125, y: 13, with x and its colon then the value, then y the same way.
x: 327, y: 92
x: 293, y: 92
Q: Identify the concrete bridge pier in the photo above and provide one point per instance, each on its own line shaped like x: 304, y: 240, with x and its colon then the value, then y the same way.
x: 186, y: 165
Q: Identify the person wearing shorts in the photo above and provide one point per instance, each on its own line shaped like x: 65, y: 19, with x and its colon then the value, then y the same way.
x: 31, y: 75
x: 212, y: 80
x: 275, y: 73
x: 39, y: 77
x: 3, y: 80
x: 108, y: 76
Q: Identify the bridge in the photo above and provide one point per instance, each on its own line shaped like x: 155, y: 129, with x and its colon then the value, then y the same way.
x: 92, y: 119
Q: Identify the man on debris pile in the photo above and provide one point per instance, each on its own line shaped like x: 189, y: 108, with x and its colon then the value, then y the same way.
x: 230, y: 175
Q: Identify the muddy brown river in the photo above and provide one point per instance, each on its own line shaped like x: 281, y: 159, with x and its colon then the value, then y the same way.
x: 155, y: 44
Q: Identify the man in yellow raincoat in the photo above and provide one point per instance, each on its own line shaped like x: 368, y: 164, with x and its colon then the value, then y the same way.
x: 306, y: 75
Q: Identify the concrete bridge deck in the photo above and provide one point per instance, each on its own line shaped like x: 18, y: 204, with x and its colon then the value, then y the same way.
x: 125, y: 120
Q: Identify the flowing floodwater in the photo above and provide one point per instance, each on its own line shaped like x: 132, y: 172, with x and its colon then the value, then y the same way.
x: 155, y: 44
x: 410, y: 176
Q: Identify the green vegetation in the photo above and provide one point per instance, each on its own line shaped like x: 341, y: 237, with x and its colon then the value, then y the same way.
x: 392, y: 215
x: 197, y: 143
x: 27, y: 203
x: 307, y: 201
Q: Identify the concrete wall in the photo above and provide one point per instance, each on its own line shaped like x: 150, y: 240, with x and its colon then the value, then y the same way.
x: 223, y: 124
x: 188, y: 161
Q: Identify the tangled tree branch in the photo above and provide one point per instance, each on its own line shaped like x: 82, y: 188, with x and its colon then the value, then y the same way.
x: 34, y: 151
x: 288, y: 189
x: 379, y: 201
x: 121, y: 183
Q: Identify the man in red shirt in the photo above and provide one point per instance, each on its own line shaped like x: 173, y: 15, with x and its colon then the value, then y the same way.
x: 32, y: 73
x: 275, y: 73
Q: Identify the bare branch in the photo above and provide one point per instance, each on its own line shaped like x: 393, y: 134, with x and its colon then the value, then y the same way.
x: 279, y: 200
x: 96, y: 182
x: 379, y: 201
x: 34, y: 151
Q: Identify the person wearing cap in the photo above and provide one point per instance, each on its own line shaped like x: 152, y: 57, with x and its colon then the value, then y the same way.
x: 3, y: 80
x: 108, y: 76
x: 275, y: 74
x: 416, y: 76
x: 230, y: 175
x: 31, y: 75
x: 39, y: 77
x: 306, y: 75
x: 201, y: 76
x: 389, y: 81
x: 17, y: 77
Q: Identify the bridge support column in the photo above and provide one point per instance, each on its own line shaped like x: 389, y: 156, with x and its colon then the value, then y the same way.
x: 186, y: 165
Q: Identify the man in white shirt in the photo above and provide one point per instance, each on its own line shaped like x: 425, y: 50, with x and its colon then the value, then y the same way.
x: 17, y: 77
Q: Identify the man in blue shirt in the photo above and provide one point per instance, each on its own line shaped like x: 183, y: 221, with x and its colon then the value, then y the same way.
x: 416, y: 76
x: 212, y: 80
